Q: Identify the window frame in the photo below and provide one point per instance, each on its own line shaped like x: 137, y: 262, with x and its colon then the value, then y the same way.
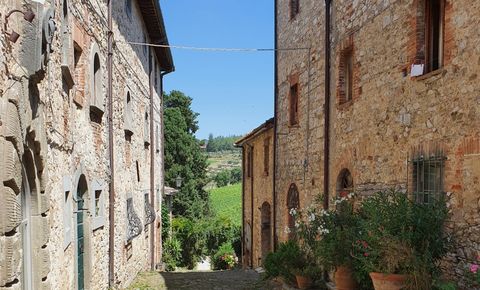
x: 98, y: 221
x: 423, y: 167
x: 266, y: 156
x: 430, y: 44
x: 293, y: 96
x: 294, y: 8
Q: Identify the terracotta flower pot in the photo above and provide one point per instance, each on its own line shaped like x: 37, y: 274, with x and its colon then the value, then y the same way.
x: 344, y: 279
x: 388, y: 281
x: 303, y: 282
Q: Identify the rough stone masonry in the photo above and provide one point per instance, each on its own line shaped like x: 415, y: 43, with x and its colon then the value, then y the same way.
x: 390, y: 127
x: 54, y: 152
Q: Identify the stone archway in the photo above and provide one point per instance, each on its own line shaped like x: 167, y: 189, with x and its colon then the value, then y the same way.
x: 266, y: 230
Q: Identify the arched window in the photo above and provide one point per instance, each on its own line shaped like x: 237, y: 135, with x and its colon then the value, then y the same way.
x: 266, y: 230
x: 146, y: 129
x: 128, y: 116
x: 293, y: 202
x: 96, y: 82
x: 344, y: 183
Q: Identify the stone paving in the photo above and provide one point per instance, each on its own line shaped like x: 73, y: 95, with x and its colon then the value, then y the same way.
x: 202, y: 280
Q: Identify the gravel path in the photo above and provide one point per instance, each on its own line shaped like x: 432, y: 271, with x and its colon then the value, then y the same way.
x: 202, y: 280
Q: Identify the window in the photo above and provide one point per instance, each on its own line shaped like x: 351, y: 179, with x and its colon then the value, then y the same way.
x: 427, y: 177
x: 434, y: 20
x: 128, y: 117
x: 96, y: 84
x: 294, y: 104
x: 293, y: 202
x: 67, y: 46
x: 138, y: 171
x: 344, y: 183
x: 146, y: 130
x: 249, y: 162
x: 294, y: 8
x: 98, y: 205
x: 266, y: 156
x: 128, y: 8
x: 346, y: 76
x: 67, y: 212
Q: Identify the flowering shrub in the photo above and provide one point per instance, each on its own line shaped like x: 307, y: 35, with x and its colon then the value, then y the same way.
x: 339, y: 231
x: 473, y: 273
x: 225, y: 258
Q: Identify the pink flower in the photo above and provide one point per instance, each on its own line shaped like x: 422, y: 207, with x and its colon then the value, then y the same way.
x: 474, y: 268
x: 365, y: 254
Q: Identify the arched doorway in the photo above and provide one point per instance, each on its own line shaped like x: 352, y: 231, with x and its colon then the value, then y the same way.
x: 82, y: 196
x: 344, y: 183
x: 293, y: 202
x: 266, y: 230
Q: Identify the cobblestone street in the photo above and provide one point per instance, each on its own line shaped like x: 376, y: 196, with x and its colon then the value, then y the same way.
x: 202, y: 280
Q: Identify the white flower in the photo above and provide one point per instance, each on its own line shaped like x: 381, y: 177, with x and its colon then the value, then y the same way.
x: 287, y: 230
x: 351, y: 195
x: 297, y: 224
x: 293, y: 211
x: 311, y: 217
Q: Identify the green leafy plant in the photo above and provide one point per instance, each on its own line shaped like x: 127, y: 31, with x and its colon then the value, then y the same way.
x: 172, y: 254
x: 283, y: 262
x: 224, y: 258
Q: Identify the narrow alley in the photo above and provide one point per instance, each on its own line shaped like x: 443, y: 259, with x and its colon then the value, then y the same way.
x: 203, y: 280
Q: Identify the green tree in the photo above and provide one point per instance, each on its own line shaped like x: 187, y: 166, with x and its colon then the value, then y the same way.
x: 222, y: 178
x: 236, y: 175
x: 184, y: 158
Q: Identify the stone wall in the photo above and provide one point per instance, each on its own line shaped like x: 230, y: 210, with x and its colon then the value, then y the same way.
x: 393, y: 117
x: 257, y: 233
x: 299, y: 152
x: 54, y: 133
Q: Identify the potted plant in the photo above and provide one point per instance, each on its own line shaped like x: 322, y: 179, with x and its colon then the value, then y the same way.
x: 284, y: 262
x: 400, y: 241
x: 338, y: 229
x: 306, y: 275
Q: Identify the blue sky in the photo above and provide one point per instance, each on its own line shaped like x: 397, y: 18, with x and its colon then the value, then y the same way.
x: 232, y: 91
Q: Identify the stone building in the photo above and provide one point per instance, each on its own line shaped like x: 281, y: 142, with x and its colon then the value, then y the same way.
x: 257, y: 194
x: 389, y: 99
x: 80, y: 126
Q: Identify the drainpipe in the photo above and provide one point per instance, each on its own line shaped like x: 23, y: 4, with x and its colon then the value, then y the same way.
x: 326, y: 149
x: 111, y: 200
x: 152, y: 163
x: 275, y: 89
x: 252, y: 228
x: 243, y: 205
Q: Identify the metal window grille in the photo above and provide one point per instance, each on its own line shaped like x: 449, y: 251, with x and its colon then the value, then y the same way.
x: 149, y: 211
x: 134, y: 226
x: 427, y: 181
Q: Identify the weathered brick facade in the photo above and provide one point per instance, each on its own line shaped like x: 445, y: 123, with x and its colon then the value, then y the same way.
x: 54, y: 143
x: 393, y: 119
x: 257, y: 194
